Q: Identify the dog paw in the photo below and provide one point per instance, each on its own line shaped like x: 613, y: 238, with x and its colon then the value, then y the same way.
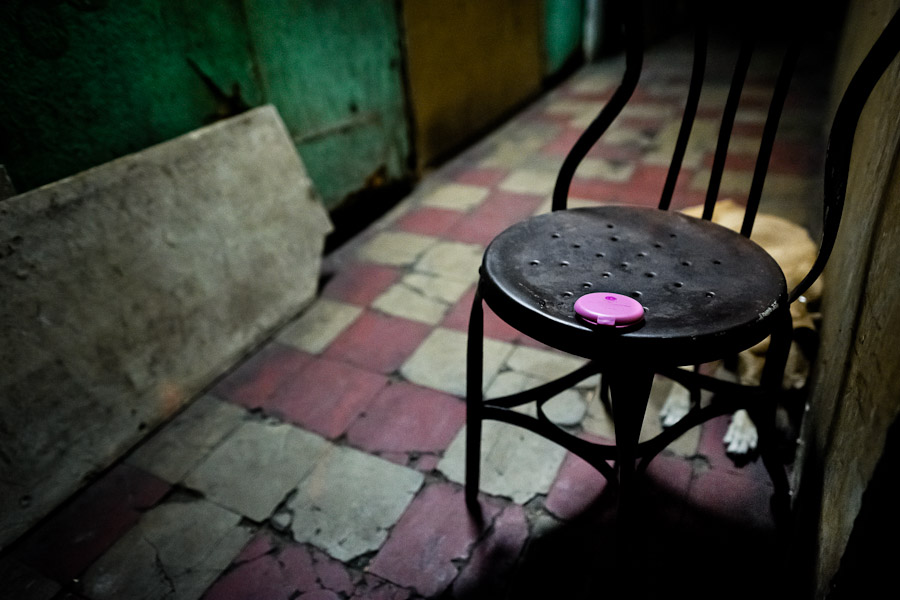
x: 677, y: 404
x: 741, y: 437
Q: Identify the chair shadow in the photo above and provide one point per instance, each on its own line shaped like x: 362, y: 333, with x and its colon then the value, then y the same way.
x: 677, y: 550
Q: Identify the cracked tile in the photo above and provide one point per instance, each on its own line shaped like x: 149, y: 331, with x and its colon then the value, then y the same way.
x: 436, y: 531
x: 456, y: 196
x: 440, y: 362
x: 577, y: 486
x: 545, y: 365
x: 486, y: 177
x: 271, y: 568
x: 174, y: 552
x: 360, y: 283
x: 511, y: 154
x: 628, y: 136
x: 599, y: 168
x: 530, y: 134
x: 319, y: 325
x: 63, y: 546
x: 441, y: 288
x: 529, y: 182
x: 378, y: 342
x: 396, y: 248
x: 326, y: 397
x: 515, y: 463
x: 376, y: 588
x: 494, y: 327
x: 493, y: 560
x: 573, y: 202
x: 566, y: 409
x: 704, y: 136
x: 421, y: 297
x: 393, y: 422
x: 401, y: 301
x: 427, y: 220
x: 500, y: 211
x: 253, y: 470
x: 452, y: 260
x: 180, y: 445
x: 260, y: 376
x: 349, y: 501
x: 597, y: 421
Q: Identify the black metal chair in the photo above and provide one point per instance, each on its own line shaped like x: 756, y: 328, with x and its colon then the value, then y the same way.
x: 708, y: 292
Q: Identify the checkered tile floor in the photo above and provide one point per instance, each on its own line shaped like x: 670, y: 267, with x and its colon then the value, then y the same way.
x: 329, y: 464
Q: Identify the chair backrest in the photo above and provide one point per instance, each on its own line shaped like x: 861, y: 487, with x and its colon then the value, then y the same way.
x: 840, y: 143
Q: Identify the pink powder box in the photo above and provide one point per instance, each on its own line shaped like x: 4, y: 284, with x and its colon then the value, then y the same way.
x: 611, y: 310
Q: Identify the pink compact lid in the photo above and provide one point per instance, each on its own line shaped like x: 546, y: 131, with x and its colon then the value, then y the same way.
x: 606, y: 308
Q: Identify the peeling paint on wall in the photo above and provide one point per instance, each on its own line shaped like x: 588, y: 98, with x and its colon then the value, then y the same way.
x: 87, y: 81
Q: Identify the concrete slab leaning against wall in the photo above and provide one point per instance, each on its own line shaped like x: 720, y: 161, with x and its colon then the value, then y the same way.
x: 128, y: 288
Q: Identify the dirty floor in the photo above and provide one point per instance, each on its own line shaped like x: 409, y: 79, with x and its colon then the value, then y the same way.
x: 328, y: 464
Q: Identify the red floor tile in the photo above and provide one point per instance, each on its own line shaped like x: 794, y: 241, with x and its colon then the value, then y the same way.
x: 601, y: 191
x: 433, y: 533
x: 269, y: 568
x: 577, y: 487
x: 360, y: 283
x: 260, y: 376
x: 408, y: 418
x: 426, y: 220
x: 63, y: 547
x: 494, y: 327
x: 666, y: 487
x: 730, y: 499
x: 646, y: 185
x: 378, y: 342
x: 375, y: 588
x: 736, y: 162
x: 326, y: 396
x: 499, y: 211
x: 485, y: 177
x: 563, y: 143
x: 493, y: 559
x: 425, y: 463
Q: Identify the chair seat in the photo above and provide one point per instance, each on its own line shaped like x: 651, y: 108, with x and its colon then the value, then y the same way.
x: 707, y: 291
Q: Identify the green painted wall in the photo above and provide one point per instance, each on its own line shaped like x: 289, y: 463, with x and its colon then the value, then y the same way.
x: 88, y: 81
x: 563, y: 23
x: 333, y: 69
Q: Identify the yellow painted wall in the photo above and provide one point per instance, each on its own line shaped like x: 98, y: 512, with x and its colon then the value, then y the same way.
x: 469, y: 64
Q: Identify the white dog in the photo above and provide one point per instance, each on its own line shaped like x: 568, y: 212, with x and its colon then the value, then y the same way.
x: 794, y: 251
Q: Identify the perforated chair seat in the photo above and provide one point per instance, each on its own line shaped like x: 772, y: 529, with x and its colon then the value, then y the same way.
x: 707, y: 291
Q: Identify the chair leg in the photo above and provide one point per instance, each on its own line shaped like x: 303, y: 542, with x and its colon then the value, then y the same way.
x: 630, y: 390
x: 764, y: 414
x: 474, y: 403
x: 604, y: 396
